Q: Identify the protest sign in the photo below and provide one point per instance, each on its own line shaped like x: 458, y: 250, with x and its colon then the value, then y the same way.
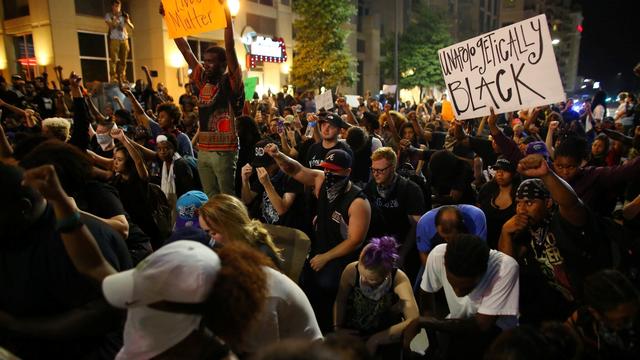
x: 190, y: 17
x: 250, y: 87
x: 508, y: 69
x: 352, y: 100
x: 324, y: 101
x: 389, y: 89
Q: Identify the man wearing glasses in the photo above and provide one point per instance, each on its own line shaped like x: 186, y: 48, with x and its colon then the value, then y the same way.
x: 399, y: 204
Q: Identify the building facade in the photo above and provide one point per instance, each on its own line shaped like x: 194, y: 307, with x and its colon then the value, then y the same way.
x: 37, y: 35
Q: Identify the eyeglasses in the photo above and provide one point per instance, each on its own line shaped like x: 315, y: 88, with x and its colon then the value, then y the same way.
x: 379, y: 171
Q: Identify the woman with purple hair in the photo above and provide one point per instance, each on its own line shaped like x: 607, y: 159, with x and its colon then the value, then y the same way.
x: 375, y: 300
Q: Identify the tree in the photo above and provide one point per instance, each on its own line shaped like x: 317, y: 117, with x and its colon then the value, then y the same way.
x: 321, y: 57
x: 418, y: 62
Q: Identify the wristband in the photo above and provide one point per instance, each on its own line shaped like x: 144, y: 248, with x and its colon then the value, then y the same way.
x: 69, y: 224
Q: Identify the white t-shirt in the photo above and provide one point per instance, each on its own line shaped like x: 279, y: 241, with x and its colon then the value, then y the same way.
x: 497, y: 293
x: 598, y: 113
x: 287, y: 315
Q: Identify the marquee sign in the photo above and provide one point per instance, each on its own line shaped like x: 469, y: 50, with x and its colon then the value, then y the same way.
x: 267, y: 50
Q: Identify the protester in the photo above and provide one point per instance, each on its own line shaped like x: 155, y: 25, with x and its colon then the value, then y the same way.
x: 273, y: 196
x: 556, y: 249
x: 220, y: 101
x: 375, y: 299
x: 118, y: 20
x: 340, y: 227
x: 226, y: 220
x: 497, y: 199
x: 481, y: 287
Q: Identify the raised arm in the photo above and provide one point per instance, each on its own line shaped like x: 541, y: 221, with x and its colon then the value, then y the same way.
x: 303, y: 175
x: 80, y: 136
x: 138, y: 112
x: 135, y: 154
x: 235, y: 73
x: 78, y: 241
x: 571, y: 208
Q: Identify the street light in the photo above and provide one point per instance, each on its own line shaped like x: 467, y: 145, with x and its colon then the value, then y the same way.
x: 555, y: 42
x: 234, y: 7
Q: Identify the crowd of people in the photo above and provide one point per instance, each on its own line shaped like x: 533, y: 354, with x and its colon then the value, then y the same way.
x: 135, y: 227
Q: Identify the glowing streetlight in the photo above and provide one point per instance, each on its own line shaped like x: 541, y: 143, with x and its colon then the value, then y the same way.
x: 555, y: 42
x: 234, y: 7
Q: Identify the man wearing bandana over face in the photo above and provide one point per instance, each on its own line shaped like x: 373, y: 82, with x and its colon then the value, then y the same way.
x: 552, y: 240
x: 221, y: 97
x: 340, y: 227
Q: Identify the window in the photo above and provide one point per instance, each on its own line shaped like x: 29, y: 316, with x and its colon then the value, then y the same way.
x: 360, y: 44
x: 25, y: 55
x: 261, y: 24
x: 199, y: 46
x: 94, y: 57
x: 15, y: 8
x: 96, y: 7
x: 265, y: 2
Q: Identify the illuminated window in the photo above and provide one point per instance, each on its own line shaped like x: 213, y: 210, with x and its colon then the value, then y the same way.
x: 25, y: 56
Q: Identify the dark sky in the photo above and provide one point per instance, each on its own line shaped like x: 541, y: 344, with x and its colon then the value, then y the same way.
x: 610, y: 43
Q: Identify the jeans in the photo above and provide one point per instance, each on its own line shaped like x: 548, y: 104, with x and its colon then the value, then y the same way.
x: 217, y: 171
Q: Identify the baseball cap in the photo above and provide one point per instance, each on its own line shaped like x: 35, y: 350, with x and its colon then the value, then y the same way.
x: 337, y: 159
x: 187, y: 208
x: 334, y: 119
x: 184, y: 272
x: 262, y: 159
x: 537, y: 147
x: 504, y: 164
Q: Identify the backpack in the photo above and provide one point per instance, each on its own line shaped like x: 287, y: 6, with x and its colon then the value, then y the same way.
x: 161, y: 211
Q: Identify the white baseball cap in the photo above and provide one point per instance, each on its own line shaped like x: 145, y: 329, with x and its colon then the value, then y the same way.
x: 183, y: 272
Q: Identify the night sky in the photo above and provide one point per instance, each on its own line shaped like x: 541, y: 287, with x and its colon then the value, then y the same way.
x: 610, y: 43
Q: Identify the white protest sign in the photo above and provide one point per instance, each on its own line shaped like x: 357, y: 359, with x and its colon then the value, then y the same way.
x: 324, y: 100
x: 389, y: 89
x: 352, y: 100
x: 508, y: 69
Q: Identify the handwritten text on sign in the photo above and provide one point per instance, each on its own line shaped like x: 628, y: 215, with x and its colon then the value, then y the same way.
x: 508, y: 69
x: 190, y: 17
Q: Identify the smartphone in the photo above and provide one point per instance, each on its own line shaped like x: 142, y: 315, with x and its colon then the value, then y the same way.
x: 280, y: 126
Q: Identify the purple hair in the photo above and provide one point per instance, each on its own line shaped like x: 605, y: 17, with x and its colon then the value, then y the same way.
x: 381, y: 252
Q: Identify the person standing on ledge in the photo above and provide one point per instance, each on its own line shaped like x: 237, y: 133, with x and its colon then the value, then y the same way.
x: 118, y: 20
x: 220, y: 101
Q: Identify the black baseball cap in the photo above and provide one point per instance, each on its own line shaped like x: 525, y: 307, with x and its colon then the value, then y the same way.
x: 333, y: 119
x: 337, y: 160
x: 504, y: 164
x: 262, y: 159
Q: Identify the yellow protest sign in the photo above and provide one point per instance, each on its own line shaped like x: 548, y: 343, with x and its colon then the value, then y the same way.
x: 190, y: 17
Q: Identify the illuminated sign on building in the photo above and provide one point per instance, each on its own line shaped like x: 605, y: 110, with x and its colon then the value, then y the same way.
x: 266, y: 50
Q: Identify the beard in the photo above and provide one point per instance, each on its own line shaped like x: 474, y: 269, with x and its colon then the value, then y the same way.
x: 214, y: 76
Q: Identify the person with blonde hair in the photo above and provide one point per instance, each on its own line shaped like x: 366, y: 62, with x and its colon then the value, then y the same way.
x: 226, y: 220
x: 57, y: 127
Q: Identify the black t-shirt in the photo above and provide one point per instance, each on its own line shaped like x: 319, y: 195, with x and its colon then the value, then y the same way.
x: 495, y: 217
x: 99, y: 199
x: 558, y: 257
x: 404, y: 199
x: 317, y: 152
x: 39, y: 280
x: 262, y: 208
x: 96, y: 148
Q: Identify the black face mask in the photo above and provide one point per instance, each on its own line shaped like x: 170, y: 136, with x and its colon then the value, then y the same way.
x: 335, y: 184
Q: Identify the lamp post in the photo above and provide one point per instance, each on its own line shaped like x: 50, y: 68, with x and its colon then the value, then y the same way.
x: 395, y: 56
